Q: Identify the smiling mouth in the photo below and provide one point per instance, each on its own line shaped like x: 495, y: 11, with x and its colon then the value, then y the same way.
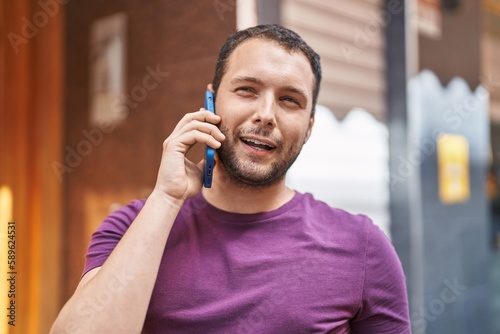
x: 258, y: 145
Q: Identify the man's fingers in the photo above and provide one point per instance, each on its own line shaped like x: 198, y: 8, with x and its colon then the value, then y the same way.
x: 182, y: 135
x: 203, y: 127
x: 196, y: 127
x: 188, y: 139
x: 202, y: 116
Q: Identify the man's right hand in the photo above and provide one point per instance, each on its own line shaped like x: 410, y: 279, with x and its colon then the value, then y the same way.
x: 141, y: 248
x: 178, y: 177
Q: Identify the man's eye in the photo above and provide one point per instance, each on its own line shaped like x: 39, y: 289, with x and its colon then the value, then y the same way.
x: 289, y: 99
x: 245, y: 89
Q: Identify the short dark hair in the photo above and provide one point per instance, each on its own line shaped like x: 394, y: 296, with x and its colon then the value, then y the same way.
x: 286, y: 38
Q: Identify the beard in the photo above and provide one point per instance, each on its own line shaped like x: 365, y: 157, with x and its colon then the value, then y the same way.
x: 251, y: 173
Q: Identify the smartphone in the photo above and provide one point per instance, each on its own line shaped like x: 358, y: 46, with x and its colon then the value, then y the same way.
x: 209, y: 152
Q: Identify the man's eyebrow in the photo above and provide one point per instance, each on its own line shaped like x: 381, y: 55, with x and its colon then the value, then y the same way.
x: 242, y: 79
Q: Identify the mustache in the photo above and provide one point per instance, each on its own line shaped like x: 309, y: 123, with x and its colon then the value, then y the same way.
x: 258, y: 131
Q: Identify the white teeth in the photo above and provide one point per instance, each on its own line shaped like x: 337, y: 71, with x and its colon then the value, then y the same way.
x: 257, y: 142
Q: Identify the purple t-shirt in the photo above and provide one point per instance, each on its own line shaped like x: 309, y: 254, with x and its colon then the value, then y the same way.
x: 303, y: 268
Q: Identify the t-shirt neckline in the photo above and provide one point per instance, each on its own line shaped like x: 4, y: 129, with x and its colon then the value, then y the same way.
x: 248, y: 217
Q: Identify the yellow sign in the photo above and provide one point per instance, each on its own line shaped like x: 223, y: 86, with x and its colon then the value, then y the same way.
x: 453, y: 168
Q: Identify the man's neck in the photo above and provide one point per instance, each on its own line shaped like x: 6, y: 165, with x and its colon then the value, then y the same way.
x: 230, y: 196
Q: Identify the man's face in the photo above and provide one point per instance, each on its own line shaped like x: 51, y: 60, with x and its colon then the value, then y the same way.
x: 265, y: 101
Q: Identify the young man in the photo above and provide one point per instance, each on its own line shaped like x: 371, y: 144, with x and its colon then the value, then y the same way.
x: 248, y: 255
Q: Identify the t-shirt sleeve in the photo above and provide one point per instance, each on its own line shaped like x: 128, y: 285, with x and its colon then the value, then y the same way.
x: 109, y: 233
x: 384, y: 303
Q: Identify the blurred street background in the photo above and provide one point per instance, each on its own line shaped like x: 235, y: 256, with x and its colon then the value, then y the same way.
x: 407, y: 131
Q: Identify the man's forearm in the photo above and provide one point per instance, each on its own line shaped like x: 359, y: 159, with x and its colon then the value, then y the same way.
x: 116, y: 299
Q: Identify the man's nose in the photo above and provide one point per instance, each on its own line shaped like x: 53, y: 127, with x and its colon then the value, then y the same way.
x: 265, y: 115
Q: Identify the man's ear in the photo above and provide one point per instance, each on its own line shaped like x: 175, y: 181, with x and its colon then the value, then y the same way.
x: 210, y: 87
x: 309, y: 129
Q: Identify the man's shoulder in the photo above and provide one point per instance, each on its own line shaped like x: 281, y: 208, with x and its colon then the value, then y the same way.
x: 120, y: 219
x: 334, y: 224
x: 325, y: 212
